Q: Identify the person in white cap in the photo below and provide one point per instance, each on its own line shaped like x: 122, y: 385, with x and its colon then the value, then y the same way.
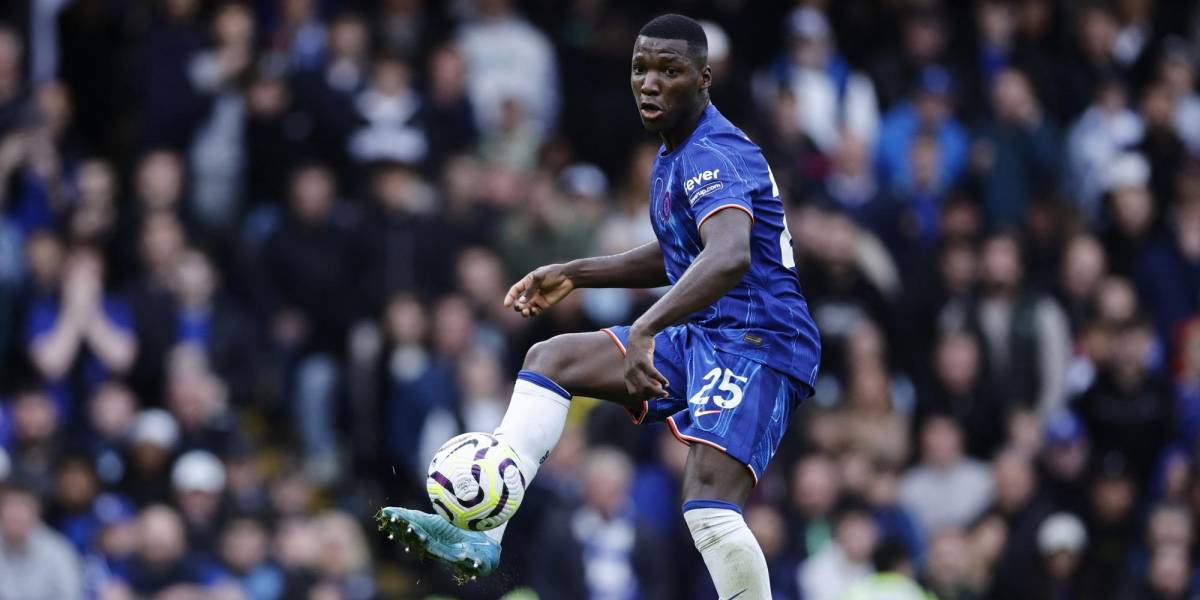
x: 198, y: 480
x: 1061, y: 540
x: 152, y: 442
x: 1130, y: 209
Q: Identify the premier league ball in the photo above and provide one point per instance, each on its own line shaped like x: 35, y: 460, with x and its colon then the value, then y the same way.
x: 474, y: 482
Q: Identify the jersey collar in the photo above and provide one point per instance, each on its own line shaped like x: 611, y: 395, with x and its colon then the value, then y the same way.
x: 705, y: 116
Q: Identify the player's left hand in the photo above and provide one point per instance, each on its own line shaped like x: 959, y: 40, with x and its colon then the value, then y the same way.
x: 642, y: 380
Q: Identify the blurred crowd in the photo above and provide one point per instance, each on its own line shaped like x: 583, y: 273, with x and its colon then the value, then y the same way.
x: 252, y: 257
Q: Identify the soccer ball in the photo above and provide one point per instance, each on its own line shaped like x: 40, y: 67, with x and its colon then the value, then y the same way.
x: 474, y: 482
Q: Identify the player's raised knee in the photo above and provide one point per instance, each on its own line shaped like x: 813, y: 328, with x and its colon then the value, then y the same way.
x: 549, y: 357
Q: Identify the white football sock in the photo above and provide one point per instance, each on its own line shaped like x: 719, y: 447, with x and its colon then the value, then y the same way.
x: 532, y: 425
x: 734, y: 560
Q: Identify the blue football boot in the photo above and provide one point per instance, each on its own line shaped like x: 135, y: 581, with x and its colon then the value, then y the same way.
x: 469, y: 554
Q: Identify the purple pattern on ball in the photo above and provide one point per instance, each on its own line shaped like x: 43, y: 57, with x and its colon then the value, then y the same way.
x: 475, y: 472
x: 443, y: 481
x: 473, y: 524
x: 508, y: 462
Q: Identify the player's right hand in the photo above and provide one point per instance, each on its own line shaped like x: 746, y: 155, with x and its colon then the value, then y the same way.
x: 539, y: 290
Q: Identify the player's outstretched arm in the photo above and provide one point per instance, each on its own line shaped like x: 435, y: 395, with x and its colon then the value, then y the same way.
x: 716, y: 270
x: 641, y: 267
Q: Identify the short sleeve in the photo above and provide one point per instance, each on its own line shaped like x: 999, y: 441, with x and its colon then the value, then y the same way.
x: 715, y: 178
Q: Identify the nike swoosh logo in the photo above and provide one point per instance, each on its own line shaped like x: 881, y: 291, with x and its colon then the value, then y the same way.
x: 701, y: 413
x: 739, y: 593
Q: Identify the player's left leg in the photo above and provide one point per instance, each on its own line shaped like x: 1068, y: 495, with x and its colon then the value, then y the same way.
x: 715, y: 486
x: 554, y: 370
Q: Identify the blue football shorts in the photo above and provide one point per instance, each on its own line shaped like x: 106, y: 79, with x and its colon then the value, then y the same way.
x: 717, y: 398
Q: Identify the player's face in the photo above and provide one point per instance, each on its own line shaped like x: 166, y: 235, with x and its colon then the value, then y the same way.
x: 667, y: 83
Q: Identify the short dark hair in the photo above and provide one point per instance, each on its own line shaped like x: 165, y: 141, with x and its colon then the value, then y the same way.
x: 673, y: 26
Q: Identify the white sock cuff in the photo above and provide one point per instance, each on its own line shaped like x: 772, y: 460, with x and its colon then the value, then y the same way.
x: 710, y: 526
x: 536, y: 384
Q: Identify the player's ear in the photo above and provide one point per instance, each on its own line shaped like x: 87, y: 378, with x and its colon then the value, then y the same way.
x: 705, y: 77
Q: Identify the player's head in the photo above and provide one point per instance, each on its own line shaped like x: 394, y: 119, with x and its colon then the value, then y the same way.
x: 670, y: 75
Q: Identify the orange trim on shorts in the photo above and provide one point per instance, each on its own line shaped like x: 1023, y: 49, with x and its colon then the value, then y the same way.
x: 616, y: 340
x: 687, y: 440
x: 636, y: 418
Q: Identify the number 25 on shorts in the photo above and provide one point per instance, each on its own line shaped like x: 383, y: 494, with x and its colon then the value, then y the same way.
x: 729, y: 383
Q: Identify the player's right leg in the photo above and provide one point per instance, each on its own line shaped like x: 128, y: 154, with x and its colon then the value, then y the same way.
x: 715, y: 486
x: 583, y: 364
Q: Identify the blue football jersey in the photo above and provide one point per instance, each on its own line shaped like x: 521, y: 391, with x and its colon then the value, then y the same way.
x: 765, y: 317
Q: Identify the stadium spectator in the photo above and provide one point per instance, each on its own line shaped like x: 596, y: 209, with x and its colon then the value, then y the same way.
x: 198, y: 483
x: 162, y: 562
x: 1016, y: 152
x: 1060, y: 541
x: 923, y: 43
x: 509, y: 63
x: 390, y: 112
x: 833, y: 572
x: 1084, y: 264
x: 1111, y: 502
x: 36, y: 438
x: 1101, y: 133
x: 410, y: 250
x: 215, y: 154
x: 36, y: 562
x: 871, y: 423
x: 946, y: 487
x: 170, y: 108
x: 344, y: 561
x: 958, y: 390
x: 299, y: 35
x: 1019, y: 503
x: 449, y: 114
x: 152, y: 444
x: 1173, y: 254
x: 604, y: 549
x: 1064, y: 461
x: 111, y: 412
x: 1093, y: 59
x: 894, y: 521
x: 328, y: 93
x: 831, y: 98
x: 1177, y: 71
x: 929, y: 110
x: 245, y: 552
x: 948, y: 570
x: 71, y: 510
x: 210, y: 321
x: 814, y: 494
x: 1167, y: 577
x: 1025, y: 334
x: 1129, y: 409
x: 893, y: 577
x: 81, y: 338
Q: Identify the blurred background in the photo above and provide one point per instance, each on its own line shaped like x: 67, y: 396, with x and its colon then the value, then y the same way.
x: 252, y: 256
